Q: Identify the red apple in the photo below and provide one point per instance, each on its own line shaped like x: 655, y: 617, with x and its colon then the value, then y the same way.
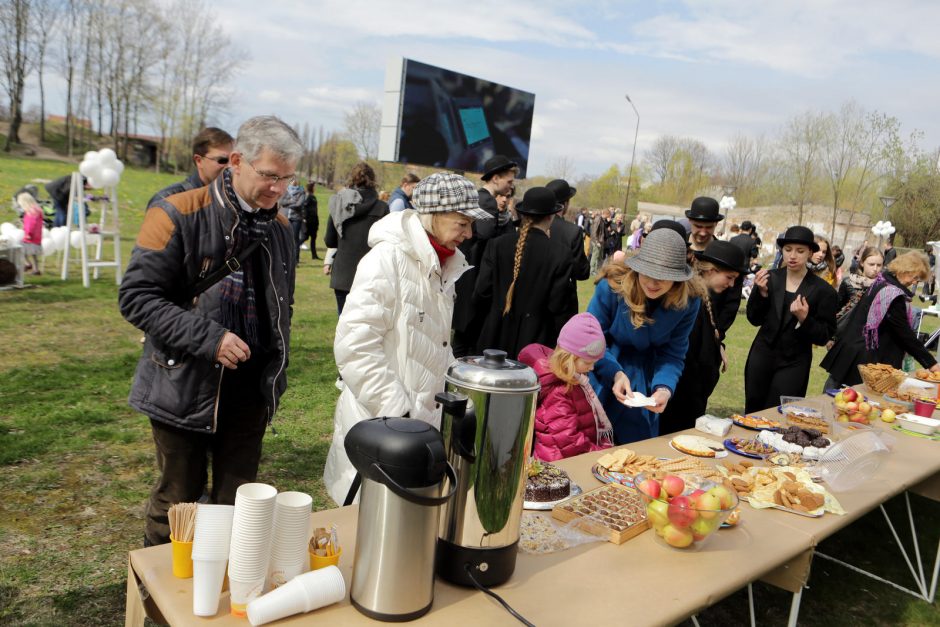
x: 859, y: 418
x: 724, y: 496
x: 677, y: 536
x: 673, y: 485
x: 849, y: 394
x: 708, y: 505
x: 864, y: 408
x: 851, y: 407
x: 650, y: 487
x: 680, y: 511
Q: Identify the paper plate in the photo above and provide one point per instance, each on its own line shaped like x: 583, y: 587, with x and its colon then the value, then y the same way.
x: 547, y: 505
x: 730, y: 445
x: 718, y: 454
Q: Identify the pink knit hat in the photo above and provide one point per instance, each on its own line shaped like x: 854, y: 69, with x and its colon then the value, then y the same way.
x: 582, y: 336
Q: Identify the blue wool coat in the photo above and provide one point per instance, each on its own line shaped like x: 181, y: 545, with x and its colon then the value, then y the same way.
x: 651, y: 356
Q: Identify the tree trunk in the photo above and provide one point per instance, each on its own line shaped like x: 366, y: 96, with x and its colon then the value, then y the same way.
x: 835, y: 212
x: 42, y: 108
x: 68, y: 111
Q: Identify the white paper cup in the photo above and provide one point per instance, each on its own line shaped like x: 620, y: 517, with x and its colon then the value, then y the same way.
x: 208, y: 576
x: 213, y: 531
x: 255, y: 492
x: 304, y: 593
x: 252, y: 531
x: 244, y: 592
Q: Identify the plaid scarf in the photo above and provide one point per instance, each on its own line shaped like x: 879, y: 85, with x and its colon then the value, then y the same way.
x: 238, y: 295
x: 879, y: 308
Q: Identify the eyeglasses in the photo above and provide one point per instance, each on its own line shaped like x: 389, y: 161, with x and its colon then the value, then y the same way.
x: 273, y: 179
x: 219, y: 160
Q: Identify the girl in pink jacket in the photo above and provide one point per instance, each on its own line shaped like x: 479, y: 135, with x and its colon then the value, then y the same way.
x: 569, y: 419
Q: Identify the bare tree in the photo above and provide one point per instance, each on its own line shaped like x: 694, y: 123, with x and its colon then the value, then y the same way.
x: 362, y: 127
x: 15, y: 57
x: 799, y: 145
x: 44, y: 24
x: 561, y: 168
x: 745, y: 165
x: 660, y: 154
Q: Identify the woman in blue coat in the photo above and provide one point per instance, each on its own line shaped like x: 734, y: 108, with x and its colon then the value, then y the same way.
x: 647, y: 309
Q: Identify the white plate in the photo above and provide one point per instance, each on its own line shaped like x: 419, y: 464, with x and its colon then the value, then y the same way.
x: 547, y: 505
x: 718, y: 454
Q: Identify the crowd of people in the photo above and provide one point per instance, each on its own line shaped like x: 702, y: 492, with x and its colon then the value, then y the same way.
x: 442, y: 270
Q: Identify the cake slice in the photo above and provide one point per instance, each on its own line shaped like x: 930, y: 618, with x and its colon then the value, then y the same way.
x: 696, y: 445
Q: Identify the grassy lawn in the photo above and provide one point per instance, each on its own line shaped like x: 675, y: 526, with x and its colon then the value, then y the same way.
x: 77, y: 464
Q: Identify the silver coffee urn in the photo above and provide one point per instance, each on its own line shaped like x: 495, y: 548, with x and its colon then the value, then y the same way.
x: 488, y: 409
x: 402, y: 465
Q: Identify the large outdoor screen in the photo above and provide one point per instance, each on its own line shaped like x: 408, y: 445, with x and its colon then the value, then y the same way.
x: 445, y: 119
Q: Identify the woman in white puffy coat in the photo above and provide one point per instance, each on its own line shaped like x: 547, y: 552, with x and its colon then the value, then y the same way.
x: 392, y: 343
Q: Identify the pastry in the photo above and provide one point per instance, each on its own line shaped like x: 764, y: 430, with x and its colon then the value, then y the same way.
x: 696, y: 445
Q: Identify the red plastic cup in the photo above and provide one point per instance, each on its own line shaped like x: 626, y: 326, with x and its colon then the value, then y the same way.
x: 924, y: 408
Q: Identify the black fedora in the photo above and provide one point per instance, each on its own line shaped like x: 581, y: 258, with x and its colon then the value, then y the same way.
x: 724, y: 254
x: 798, y: 235
x: 497, y: 164
x: 666, y: 223
x: 538, y: 201
x: 704, y: 209
x: 563, y: 192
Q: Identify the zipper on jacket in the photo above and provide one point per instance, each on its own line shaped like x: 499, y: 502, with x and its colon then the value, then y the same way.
x: 206, y: 264
x: 272, y: 410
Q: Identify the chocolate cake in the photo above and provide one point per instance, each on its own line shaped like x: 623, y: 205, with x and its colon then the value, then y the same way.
x: 546, y: 483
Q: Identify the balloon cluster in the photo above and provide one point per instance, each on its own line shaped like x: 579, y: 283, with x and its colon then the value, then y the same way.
x: 102, y: 168
x: 52, y: 240
x: 883, y: 228
x: 727, y: 203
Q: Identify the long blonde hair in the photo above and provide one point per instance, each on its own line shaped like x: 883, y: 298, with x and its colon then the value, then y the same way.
x: 564, y: 365
x: 624, y: 281
x: 527, y: 223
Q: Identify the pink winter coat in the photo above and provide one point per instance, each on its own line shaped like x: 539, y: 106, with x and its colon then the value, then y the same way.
x: 564, y: 420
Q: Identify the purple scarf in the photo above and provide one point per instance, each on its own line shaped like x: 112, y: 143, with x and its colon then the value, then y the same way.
x: 879, y: 309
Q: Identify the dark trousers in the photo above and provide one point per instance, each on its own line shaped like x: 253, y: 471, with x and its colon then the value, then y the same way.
x: 297, y: 226
x: 340, y: 300
x: 313, y: 225
x: 690, y: 399
x: 183, y: 458
x: 61, y: 214
x: 768, y: 376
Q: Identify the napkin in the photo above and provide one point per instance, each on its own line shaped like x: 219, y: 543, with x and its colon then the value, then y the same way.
x: 639, y: 400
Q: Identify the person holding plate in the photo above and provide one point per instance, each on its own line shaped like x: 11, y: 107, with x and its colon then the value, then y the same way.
x: 646, y: 308
x: 794, y: 309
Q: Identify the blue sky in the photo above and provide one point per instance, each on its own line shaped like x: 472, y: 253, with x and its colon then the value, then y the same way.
x: 706, y: 69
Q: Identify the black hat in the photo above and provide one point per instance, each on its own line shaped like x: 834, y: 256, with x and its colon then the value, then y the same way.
x: 666, y: 223
x: 724, y: 254
x: 538, y: 201
x: 704, y: 209
x: 563, y: 192
x: 495, y: 165
x: 798, y: 235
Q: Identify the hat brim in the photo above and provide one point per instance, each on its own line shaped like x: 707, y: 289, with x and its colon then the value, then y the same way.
x: 502, y: 168
x: 475, y: 214
x: 720, y: 262
x: 658, y: 272
x: 521, y: 208
x: 782, y: 241
x: 718, y: 218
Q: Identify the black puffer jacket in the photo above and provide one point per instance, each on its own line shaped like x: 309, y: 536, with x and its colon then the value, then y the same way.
x: 353, y: 245
x: 178, y: 379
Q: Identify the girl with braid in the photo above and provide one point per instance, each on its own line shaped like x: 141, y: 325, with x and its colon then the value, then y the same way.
x: 523, y: 281
x: 716, y: 269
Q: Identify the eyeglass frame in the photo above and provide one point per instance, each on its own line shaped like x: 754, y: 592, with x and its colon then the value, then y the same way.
x: 273, y: 179
x: 219, y: 160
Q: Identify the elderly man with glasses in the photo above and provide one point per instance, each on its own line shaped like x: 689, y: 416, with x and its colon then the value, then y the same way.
x: 211, y: 283
x: 211, y: 150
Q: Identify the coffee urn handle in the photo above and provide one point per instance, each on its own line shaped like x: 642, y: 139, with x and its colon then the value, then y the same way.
x: 419, y: 499
x: 464, y: 429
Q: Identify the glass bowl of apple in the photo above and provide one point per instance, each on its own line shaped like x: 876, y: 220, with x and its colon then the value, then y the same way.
x: 684, y: 510
x: 850, y: 407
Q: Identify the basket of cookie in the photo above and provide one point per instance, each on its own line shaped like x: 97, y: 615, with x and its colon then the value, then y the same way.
x: 881, y: 378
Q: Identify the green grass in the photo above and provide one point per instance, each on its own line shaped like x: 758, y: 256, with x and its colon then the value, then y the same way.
x: 76, y: 463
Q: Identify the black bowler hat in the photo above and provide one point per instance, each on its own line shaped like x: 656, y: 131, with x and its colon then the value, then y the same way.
x: 538, y: 201
x: 724, y: 254
x: 704, y: 209
x: 497, y: 164
x: 563, y: 192
x: 666, y: 223
x: 798, y: 235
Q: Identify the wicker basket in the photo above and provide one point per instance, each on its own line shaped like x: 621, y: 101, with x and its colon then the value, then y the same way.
x: 881, y: 378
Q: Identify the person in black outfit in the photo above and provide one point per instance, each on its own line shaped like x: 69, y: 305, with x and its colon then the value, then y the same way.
x: 879, y: 328
x: 890, y: 251
x: 311, y: 219
x: 794, y: 310
x: 717, y: 267
x: 570, y: 234
x: 523, y: 283
x: 353, y: 211
x: 498, y: 177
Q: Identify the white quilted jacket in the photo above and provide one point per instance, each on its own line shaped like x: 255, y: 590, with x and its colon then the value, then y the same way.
x: 392, y: 343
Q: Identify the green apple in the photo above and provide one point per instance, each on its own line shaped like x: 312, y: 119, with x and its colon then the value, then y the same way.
x: 658, y: 513
x: 888, y: 415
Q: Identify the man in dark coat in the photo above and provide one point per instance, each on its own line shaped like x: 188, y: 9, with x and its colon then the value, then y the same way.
x: 211, y: 149
x: 572, y: 237
x: 498, y: 177
x: 58, y: 191
x: 311, y: 219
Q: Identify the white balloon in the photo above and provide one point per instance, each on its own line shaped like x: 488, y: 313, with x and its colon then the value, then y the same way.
x: 91, y: 155
x: 49, y: 247
x: 118, y: 166
x: 75, y: 239
x: 6, y: 229
x: 891, y: 230
x: 17, y: 237
x: 94, y: 182
x: 109, y: 177
x: 107, y: 155
x: 58, y: 235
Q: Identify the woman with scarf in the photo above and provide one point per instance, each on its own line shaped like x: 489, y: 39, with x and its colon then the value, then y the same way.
x: 353, y: 211
x: 822, y: 263
x: 522, y: 288
x: 716, y: 268
x: 794, y: 309
x: 880, y: 328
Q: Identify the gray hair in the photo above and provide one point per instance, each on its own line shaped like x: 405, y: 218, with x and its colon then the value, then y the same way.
x: 427, y: 221
x: 268, y: 132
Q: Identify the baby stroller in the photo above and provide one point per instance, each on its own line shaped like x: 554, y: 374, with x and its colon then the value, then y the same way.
x: 48, y: 211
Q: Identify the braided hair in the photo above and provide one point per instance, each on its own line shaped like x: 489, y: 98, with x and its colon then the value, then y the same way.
x: 701, y: 267
x: 517, y: 260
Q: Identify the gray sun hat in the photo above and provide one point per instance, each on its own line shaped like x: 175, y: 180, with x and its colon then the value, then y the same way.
x: 443, y: 191
x: 662, y: 257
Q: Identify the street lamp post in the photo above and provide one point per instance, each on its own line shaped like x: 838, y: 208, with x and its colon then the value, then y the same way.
x: 636, y: 133
x: 887, y: 201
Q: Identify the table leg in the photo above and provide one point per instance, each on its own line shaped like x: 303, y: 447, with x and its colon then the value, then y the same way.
x: 750, y: 604
x: 795, y: 608
x: 134, y: 612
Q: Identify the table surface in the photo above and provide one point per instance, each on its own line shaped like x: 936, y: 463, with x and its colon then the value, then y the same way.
x: 660, y: 585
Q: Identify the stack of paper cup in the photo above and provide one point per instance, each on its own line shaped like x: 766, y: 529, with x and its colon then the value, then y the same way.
x: 250, y: 551
x: 210, y: 553
x: 291, y: 532
x: 303, y: 593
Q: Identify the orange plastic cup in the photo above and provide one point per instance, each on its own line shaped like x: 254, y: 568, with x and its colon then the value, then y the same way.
x: 317, y: 562
x: 182, y: 558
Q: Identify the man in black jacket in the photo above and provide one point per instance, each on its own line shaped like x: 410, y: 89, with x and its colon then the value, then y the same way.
x: 571, y: 236
x: 211, y: 149
x: 211, y: 283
